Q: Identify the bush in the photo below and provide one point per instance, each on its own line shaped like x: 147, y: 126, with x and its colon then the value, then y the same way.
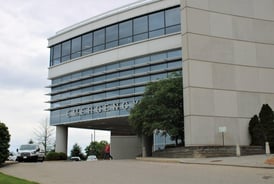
x: 261, y: 128
x: 56, y: 156
x: 4, y: 142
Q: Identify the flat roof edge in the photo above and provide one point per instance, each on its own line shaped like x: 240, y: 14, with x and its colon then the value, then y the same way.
x: 121, y: 9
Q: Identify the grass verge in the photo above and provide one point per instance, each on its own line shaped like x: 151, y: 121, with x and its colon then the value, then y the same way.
x: 6, y: 179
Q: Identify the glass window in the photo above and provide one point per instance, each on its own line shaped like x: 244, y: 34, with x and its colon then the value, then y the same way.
x: 142, y: 60
x: 158, y: 76
x: 76, y: 44
x: 99, y: 37
x: 99, y: 78
x: 156, y: 33
x: 99, y: 96
x: 175, y: 64
x: 125, y: 29
x: 172, y: 17
x: 99, y: 87
x: 112, y: 94
x: 99, y: 70
x: 76, y: 47
x: 126, y: 63
x: 112, y: 84
x: 56, y: 54
x: 142, y: 79
x: 126, y: 82
x: 87, y: 51
x: 173, y: 29
x: 87, y: 72
x: 156, y: 21
x: 112, y: 33
x: 87, y: 41
x: 126, y: 73
x: 113, y: 66
x: 158, y: 67
x: 124, y: 41
x: 140, y: 89
x: 126, y: 91
x: 140, y: 37
x: 140, y: 25
x: 160, y: 56
x: 66, y: 48
x: 98, y: 48
x: 112, y: 76
x: 111, y: 44
x: 142, y: 70
x: 174, y: 53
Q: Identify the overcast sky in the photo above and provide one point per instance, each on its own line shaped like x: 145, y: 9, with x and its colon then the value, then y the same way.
x: 25, y: 26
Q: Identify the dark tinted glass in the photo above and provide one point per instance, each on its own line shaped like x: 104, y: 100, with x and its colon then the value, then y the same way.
x: 172, y: 17
x: 56, y: 51
x: 76, y: 45
x: 156, y: 21
x: 87, y: 41
x: 140, y: 25
x: 66, y: 48
x: 112, y: 33
x: 125, y: 29
x: 99, y: 37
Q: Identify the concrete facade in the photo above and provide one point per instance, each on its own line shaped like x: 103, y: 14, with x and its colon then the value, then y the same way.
x: 228, y: 67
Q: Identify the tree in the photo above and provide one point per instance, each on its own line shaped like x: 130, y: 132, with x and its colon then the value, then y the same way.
x: 4, y: 142
x: 76, y: 151
x: 161, y: 108
x: 96, y: 148
x: 261, y: 129
x: 45, y: 134
x: 30, y: 141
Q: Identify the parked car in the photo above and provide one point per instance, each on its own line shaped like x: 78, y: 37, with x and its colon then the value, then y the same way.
x: 30, y: 152
x: 75, y: 158
x: 92, y: 158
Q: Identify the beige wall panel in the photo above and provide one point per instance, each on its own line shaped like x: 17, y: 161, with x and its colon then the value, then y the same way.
x: 248, y: 104
x: 259, y: 9
x: 187, y: 101
x: 223, y: 76
x: 202, y: 102
x: 263, y: 9
x: 266, y: 83
x: 210, y: 49
x: 200, y: 74
x: 247, y: 78
x: 203, y: 130
x: 220, y: 25
x: 198, y: 21
x: 265, y: 55
x: 225, y: 103
x: 244, y: 53
x: 125, y: 147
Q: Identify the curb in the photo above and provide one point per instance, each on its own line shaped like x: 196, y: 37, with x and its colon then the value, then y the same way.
x: 180, y: 161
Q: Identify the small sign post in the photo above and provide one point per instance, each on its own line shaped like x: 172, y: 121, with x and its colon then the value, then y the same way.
x: 223, y: 130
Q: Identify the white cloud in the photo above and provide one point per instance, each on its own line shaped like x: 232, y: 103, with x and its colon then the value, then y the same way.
x: 24, y: 29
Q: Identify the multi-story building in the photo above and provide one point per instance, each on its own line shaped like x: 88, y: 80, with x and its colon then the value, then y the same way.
x: 223, y: 48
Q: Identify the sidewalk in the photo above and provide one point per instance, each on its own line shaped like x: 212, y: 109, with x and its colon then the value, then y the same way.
x: 254, y: 161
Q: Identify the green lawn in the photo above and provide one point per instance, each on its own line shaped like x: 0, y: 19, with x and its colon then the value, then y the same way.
x: 6, y: 179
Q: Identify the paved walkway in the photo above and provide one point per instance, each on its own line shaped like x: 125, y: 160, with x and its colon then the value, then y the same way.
x: 255, y: 161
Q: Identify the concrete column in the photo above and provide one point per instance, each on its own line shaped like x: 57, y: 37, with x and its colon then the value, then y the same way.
x: 61, y: 139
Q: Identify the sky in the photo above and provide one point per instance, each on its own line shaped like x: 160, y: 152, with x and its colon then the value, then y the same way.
x: 25, y: 26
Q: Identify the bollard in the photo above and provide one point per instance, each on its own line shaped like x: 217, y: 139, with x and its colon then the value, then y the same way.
x: 238, y: 150
x: 267, y: 150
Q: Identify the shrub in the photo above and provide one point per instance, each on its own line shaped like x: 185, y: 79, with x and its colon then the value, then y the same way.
x: 56, y: 156
x: 4, y: 142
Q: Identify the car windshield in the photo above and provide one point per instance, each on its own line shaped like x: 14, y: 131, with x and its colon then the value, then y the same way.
x: 27, y: 147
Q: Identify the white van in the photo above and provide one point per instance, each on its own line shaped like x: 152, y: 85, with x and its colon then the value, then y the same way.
x: 30, y: 152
